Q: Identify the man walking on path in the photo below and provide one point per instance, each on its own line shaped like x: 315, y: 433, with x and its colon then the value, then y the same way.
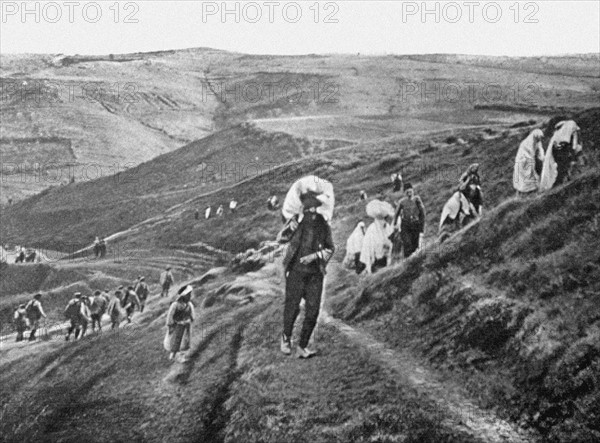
x: 166, y: 280
x: 310, y: 246
x: 130, y: 301
x: 97, y: 309
x: 78, y: 314
x: 114, y: 310
x: 233, y: 205
x: 34, y: 312
x: 411, y: 212
x: 20, y: 318
x: 142, y: 291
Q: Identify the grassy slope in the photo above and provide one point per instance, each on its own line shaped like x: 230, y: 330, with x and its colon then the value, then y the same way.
x: 235, y: 386
x: 510, y: 304
x: 116, y: 203
x: 525, y: 338
x: 172, y: 102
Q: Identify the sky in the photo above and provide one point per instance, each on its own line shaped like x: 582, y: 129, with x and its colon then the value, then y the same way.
x: 514, y: 28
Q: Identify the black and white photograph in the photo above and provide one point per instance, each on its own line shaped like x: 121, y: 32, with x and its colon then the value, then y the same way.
x: 300, y: 221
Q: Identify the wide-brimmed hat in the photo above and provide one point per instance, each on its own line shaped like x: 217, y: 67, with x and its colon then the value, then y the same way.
x: 310, y: 199
x: 184, y: 290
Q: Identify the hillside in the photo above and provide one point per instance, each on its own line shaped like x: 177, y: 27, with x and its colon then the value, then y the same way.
x: 492, y: 336
x: 111, y: 113
x: 115, y: 203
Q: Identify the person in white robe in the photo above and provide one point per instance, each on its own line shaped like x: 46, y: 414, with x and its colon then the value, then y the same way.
x: 525, y: 176
x: 354, y: 246
x: 376, y: 251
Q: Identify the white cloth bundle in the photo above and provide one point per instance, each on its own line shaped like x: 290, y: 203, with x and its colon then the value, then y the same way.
x: 456, y: 204
x: 378, y: 210
x: 292, y: 204
x: 376, y: 244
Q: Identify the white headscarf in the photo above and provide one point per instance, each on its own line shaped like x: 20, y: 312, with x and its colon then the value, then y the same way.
x: 525, y: 179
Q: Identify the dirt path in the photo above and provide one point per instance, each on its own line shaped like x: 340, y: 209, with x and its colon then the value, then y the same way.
x: 466, y: 416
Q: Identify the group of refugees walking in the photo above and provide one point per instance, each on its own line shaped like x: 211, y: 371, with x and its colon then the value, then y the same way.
x: 83, y: 310
x: 233, y: 204
x: 394, y: 230
x: 538, y: 170
x: 307, y: 213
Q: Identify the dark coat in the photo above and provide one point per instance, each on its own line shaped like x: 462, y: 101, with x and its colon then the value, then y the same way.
x: 322, y: 236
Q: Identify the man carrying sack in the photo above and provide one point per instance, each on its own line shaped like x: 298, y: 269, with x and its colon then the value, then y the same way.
x: 309, y: 248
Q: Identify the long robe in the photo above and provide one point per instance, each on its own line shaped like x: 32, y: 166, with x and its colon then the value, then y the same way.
x: 354, y: 243
x: 179, y: 326
x: 376, y: 244
x: 525, y: 178
x: 454, y: 206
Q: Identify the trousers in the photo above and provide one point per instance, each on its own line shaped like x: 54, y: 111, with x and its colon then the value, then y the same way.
x: 298, y: 286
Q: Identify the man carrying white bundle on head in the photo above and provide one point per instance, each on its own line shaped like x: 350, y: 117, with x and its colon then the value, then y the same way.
x: 308, y: 208
x: 376, y: 252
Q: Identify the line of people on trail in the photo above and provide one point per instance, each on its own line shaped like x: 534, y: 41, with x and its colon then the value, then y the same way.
x: 233, y: 204
x: 393, y: 230
x: 308, y: 209
x: 538, y: 170
x: 83, y: 310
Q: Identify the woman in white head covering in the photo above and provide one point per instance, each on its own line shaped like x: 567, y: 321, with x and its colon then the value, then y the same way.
x: 376, y: 251
x: 525, y: 176
x: 179, y: 323
x: 354, y: 246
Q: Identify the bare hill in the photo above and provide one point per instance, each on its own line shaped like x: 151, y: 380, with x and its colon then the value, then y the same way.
x: 115, y: 112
